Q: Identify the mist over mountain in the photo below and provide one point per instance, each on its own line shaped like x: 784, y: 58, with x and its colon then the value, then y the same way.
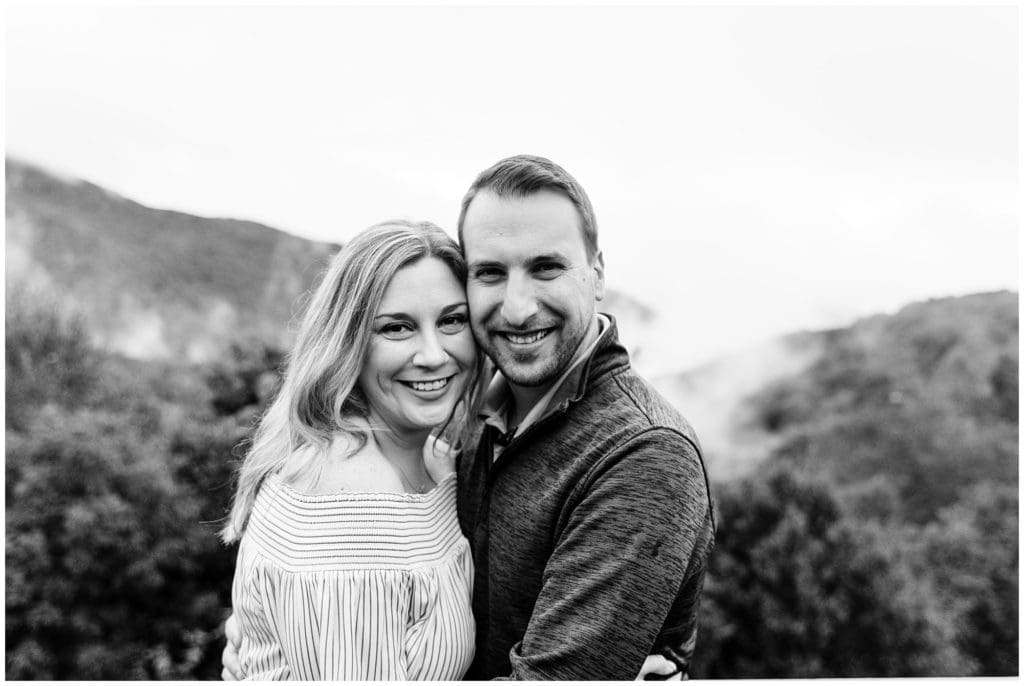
x: 160, y: 284
x: 153, y: 283
x: 948, y: 364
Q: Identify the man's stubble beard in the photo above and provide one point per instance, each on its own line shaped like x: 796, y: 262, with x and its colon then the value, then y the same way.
x: 540, y: 374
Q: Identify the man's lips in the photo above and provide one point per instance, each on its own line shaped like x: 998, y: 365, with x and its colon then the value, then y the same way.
x: 525, y: 337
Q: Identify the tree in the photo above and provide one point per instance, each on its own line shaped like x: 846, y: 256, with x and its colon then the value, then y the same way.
x: 971, y: 553
x: 101, y: 576
x: 48, y: 354
x: 798, y: 589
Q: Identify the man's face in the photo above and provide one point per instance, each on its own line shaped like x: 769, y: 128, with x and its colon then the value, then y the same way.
x: 532, y: 292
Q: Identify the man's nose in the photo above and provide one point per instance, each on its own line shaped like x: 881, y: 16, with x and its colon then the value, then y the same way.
x: 430, y: 353
x: 520, y: 301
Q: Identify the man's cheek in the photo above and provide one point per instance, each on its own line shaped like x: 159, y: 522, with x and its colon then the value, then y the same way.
x: 480, y: 308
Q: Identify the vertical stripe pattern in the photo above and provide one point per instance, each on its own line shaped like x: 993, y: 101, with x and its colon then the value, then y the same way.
x: 354, y: 586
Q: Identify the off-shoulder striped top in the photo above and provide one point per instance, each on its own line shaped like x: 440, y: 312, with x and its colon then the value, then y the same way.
x: 354, y: 586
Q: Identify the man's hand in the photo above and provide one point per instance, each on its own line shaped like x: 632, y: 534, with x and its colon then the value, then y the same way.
x: 229, y: 658
x: 659, y: 668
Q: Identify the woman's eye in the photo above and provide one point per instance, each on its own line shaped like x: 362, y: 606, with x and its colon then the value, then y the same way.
x: 396, y: 329
x: 453, y: 323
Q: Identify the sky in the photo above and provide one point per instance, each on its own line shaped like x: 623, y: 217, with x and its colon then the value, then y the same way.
x: 755, y: 170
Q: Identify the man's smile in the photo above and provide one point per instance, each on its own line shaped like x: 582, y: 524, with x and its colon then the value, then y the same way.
x: 526, y: 338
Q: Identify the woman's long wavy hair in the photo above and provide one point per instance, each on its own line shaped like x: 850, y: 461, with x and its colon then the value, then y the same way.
x: 319, y: 396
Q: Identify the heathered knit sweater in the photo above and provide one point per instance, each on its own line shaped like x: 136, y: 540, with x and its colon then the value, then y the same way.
x: 590, y: 532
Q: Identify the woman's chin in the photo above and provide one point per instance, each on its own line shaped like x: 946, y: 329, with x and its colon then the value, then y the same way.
x: 430, y: 419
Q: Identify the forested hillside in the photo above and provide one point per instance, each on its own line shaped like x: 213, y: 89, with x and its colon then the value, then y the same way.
x: 879, y: 538
x: 150, y: 283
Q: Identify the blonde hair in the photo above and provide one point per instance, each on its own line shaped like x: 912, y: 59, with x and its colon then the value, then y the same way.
x: 319, y: 396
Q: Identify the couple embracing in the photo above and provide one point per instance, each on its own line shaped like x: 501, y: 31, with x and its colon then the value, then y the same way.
x: 462, y: 476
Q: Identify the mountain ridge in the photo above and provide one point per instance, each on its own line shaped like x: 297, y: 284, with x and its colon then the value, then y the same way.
x: 154, y: 283
x: 163, y: 284
x: 952, y: 351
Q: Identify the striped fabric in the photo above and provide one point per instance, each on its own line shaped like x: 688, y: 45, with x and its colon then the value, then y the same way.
x: 354, y: 586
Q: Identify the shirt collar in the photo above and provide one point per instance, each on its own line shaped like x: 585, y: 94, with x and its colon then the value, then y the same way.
x: 498, y: 397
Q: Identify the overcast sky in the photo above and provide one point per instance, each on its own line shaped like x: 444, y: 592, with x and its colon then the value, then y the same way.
x: 755, y: 170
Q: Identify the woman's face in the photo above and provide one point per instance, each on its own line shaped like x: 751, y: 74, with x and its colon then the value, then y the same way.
x: 421, y: 350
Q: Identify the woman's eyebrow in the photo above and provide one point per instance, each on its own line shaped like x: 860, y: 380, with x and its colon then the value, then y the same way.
x: 402, y: 315
x: 454, y: 306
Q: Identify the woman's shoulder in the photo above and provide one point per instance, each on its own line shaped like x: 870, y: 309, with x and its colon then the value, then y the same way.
x: 348, y: 467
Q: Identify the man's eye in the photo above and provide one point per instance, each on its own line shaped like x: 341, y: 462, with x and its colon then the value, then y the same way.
x: 453, y: 323
x: 549, y: 269
x: 487, y: 274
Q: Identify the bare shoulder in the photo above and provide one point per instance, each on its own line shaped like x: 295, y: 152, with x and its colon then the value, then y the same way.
x: 439, y: 457
x: 365, y: 470
x: 349, y: 467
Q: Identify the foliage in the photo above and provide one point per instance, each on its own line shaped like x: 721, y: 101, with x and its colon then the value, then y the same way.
x: 797, y: 589
x: 971, y: 553
x: 895, y: 550
x: 879, y: 540
x: 247, y: 378
x: 117, y: 476
x: 94, y: 583
x: 48, y: 356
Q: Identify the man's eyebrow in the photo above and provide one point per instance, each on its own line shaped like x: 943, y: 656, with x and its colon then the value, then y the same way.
x: 549, y: 257
x: 483, y: 263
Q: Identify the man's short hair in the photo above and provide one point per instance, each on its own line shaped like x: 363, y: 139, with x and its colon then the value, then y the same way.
x: 521, y: 175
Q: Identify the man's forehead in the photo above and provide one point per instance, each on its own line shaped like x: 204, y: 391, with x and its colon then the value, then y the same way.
x: 532, y: 224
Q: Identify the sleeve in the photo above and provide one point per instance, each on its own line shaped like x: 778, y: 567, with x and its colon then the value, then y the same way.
x: 619, y: 564
x: 261, y: 655
x: 321, y: 627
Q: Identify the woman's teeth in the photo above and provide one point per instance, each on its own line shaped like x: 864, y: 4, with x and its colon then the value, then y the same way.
x: 523, y: 339
x: 428, y: 385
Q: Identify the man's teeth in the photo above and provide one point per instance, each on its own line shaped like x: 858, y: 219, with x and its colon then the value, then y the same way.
x: 428, y: 385
x: 523, y: 339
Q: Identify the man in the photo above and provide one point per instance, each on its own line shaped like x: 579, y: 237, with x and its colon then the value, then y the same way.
x: 585, y: 500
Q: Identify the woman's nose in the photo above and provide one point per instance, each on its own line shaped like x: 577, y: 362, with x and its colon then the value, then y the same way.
x: 430, y: 352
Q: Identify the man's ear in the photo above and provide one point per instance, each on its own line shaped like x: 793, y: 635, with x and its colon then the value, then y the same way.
x: 599, y: 276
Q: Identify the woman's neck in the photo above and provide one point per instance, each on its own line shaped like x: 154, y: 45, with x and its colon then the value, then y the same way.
x: 404, y: 451
x: 403, y: 448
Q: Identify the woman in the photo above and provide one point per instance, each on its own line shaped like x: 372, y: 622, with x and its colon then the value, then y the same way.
x: 351, y: 563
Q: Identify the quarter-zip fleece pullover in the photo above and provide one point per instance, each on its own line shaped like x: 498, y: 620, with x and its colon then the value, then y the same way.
x: 590, y: 532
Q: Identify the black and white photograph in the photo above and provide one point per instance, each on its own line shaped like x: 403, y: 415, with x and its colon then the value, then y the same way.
x: 537, y: 341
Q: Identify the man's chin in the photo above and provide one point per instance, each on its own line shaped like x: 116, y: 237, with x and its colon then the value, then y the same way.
x: 528, y: 376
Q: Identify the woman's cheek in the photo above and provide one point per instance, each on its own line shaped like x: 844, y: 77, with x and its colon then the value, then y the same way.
x: 468, y: 351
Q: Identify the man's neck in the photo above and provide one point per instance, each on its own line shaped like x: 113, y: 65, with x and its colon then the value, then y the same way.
x: 525, y: 397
